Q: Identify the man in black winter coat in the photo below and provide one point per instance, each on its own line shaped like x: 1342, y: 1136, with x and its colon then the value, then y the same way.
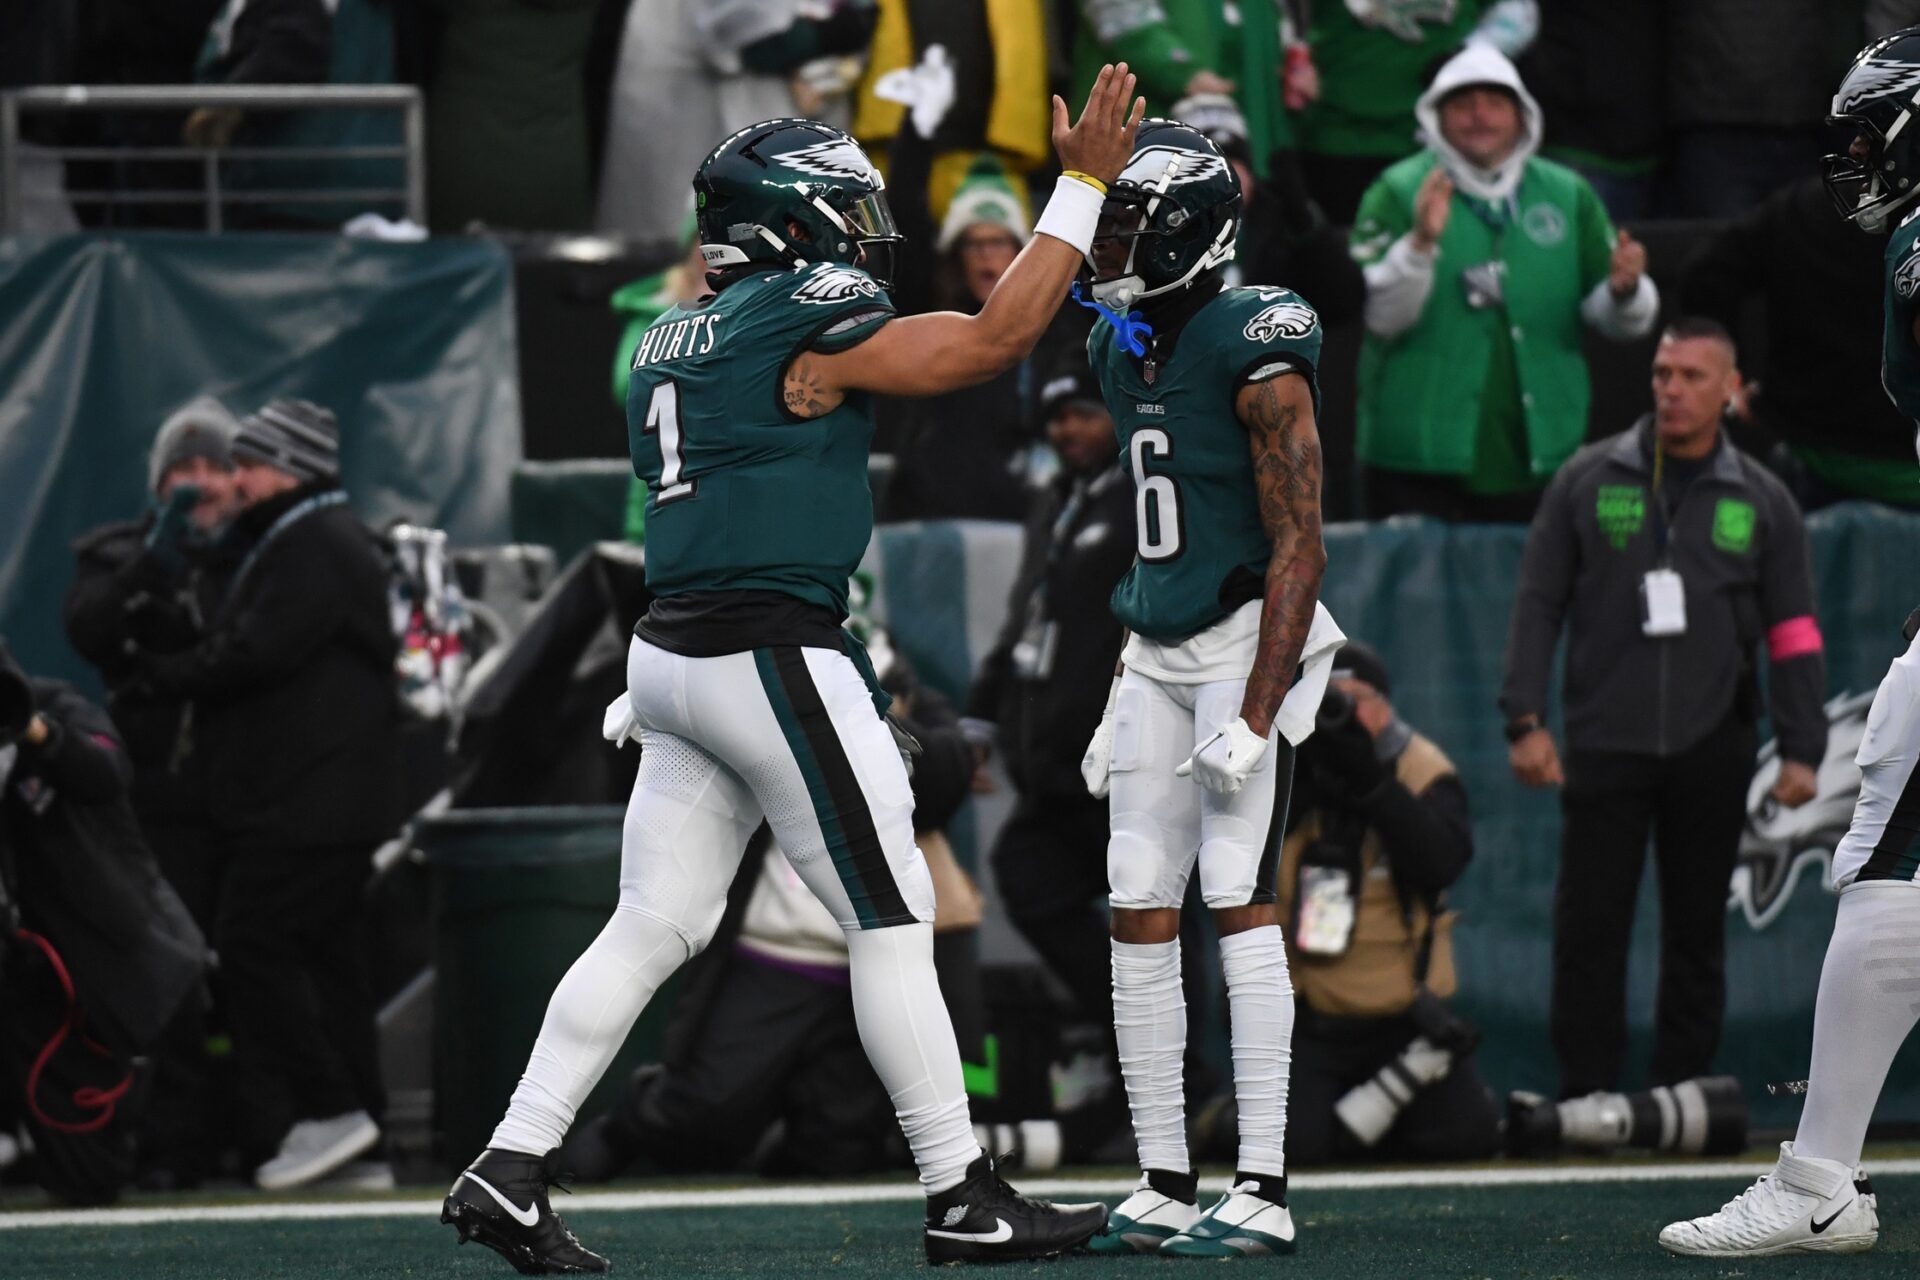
x: 1819, y: 281
x: 144, y: 587
x: 1041, y: 691
x: 294, y: 691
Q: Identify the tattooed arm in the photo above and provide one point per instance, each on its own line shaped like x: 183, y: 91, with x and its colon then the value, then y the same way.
x: 1278, y: 415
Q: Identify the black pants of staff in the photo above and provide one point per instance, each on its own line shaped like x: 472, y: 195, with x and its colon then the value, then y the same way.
x: 292, y: 946
x: 1050, y: 863
x: 1454, y: 1118
x: 1693, y: 805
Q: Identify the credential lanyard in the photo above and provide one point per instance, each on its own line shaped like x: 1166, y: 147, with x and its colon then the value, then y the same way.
x: 332, y: 498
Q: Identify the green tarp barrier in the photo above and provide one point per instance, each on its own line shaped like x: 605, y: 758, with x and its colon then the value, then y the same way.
x: 412, y: 345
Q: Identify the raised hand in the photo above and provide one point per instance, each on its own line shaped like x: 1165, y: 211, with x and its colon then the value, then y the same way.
x: 1628, y: 264
x: 1431, y: 205
x: 1101, y: 142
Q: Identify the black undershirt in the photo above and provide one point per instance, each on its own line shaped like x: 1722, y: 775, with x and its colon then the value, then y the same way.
x: 712, y: 624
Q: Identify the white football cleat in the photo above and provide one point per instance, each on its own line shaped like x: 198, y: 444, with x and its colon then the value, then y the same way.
x: 1804, y: 1206
x: 1143, y: 1222
x: 1240, y: 1225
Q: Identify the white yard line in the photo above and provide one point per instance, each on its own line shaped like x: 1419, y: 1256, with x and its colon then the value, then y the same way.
x: 1057, y: 1188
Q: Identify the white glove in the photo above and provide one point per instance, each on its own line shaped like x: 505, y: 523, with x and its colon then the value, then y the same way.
x: 1221, y: 763
x: 1098, y: 762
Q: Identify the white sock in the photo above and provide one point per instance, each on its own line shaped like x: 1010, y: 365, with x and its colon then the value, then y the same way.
x: 1260, y: 1005
x: 587, y: 1021
x: 1150, y: 1023
x: 909, y: 1040
x: 1869, y: 1001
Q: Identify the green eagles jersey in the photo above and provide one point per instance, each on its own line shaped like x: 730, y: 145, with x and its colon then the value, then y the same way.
x: 742, y: 495
x: 1899, y: 357
x: 1202, y: 549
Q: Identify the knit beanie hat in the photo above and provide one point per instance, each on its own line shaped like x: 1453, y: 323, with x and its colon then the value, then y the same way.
x: 295, y: 436
x: 984, y: 195
x: 200, y: 428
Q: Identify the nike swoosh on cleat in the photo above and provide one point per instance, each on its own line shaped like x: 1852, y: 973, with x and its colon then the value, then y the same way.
x: 999, y: 1235
x: 1819, y: 1226
x: 525, y: 1217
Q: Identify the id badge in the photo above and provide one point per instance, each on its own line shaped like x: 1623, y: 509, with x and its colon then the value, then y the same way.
x: 1325, y: 926
x: 1663, y: 604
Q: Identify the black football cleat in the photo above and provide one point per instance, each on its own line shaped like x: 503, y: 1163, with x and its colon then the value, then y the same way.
x: 501, y: 1201
x: 985, y: 1220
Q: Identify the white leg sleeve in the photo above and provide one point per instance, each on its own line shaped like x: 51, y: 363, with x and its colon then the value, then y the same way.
x: 687, y: 826
x: 1150, y: 1023
x: 909, y: 1039
x: 1868, y: 1004
x: 1260, y: 1004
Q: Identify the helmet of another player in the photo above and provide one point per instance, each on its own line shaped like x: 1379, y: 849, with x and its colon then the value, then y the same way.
x: 791, y: 192
x: 1878, y: 99
x: 1171, y: 218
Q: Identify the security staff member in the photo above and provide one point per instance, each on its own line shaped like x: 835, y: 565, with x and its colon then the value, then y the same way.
x: 1040, y: 692
x: 1671, y: 557
x: 1377, y: 833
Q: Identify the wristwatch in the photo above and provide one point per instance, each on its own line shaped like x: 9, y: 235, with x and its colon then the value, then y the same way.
x: 1520, y: 726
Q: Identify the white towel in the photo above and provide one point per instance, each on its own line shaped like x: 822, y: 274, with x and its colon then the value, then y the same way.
x: 1297, y: 709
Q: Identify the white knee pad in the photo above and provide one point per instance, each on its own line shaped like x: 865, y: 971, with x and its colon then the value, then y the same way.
x: 1229, y: 863
x: 1140, y: 872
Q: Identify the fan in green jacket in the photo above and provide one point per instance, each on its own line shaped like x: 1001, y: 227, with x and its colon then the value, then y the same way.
x: 1182, y: 47
x: 1482, y: 263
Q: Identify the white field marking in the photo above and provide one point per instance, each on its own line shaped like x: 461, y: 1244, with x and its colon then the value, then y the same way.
x: 751, y: 1197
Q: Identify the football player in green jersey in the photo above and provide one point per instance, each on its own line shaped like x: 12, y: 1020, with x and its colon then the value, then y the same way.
x: 1214, y: 393
x: 1817, y: 1199
x: 748, y: 419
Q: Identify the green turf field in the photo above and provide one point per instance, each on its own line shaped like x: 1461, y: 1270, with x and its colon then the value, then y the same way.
x: 1350, y: 1226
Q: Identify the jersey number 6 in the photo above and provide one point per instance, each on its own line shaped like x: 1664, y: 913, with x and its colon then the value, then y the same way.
x: 1156, y: 499
x: 663, y: 416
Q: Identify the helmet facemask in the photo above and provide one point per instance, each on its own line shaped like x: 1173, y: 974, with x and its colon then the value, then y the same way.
x: 1867, y: 190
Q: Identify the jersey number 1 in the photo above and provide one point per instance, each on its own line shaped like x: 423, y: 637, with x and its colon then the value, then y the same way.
x: 1156, y: 499
x: 663, y: 416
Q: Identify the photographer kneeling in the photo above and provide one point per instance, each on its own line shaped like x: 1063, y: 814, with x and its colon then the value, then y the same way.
x: 97, y: 953
x: 1377, y: 832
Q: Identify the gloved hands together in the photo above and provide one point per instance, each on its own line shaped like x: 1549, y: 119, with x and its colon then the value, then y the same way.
x: 1223, y: 762
x: 1097, y: 764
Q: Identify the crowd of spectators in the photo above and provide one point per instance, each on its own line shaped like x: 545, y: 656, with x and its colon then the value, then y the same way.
x: 1484, y: 156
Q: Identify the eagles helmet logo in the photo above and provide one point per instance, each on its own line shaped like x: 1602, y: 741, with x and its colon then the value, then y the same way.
x: 1283, y: 320
x: 835, y: 284
x: 1873, y: 80
x: 834, y: 158
x: 1906, y: 278
x: 1780, y: 845
x: 1164, y: 167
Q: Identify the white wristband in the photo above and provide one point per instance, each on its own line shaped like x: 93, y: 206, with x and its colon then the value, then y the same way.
x: 1072, y: 214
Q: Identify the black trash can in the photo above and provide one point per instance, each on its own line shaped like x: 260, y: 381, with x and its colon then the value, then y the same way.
x: 517, y: 895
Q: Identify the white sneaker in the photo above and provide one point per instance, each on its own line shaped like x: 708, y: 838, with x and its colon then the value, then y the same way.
x: 1804, y: 1206
x: 1240, y: 1225
x: 314, y: 1148
x: 361, y: 1175
x: 1143, y: 1222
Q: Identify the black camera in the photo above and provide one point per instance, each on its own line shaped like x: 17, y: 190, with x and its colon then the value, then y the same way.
x: 1335, y: 713
x: 16, y: 699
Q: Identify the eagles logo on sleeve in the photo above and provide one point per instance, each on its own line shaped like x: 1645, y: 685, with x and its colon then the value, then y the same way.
x: 1906, y: 277
x: 1284, y: 320
x: 835, y: 284
x: 834, y: 158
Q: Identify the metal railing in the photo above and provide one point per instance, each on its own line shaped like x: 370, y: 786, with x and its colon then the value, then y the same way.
x: 403, y: 100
